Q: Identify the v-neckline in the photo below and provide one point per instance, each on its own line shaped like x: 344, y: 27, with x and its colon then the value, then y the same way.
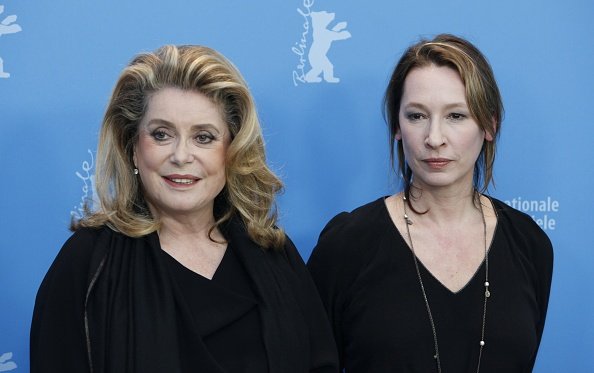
x: 194, y: 273
x: 424, y: 267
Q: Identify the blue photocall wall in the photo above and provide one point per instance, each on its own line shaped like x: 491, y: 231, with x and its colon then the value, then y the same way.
x: 318, y: 70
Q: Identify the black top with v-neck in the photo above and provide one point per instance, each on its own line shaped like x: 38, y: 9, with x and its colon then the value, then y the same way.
x: 226, y: 311
x: 366, y: 277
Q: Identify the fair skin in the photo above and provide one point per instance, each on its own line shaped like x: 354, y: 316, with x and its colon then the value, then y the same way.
x: 441, y: 143
x: 180, y: 155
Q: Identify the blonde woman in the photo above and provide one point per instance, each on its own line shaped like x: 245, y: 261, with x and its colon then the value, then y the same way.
x: 182, y: 269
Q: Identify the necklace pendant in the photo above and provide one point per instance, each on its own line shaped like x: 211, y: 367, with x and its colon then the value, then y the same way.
x: 487, y: 293
x: 407, y: 219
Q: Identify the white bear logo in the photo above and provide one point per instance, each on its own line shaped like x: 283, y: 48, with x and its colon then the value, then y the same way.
x: 322, y: 40
x: 7, y: 26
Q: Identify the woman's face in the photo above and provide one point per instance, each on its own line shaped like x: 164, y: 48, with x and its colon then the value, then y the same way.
x: 441, y: 140
x: 180, y: 153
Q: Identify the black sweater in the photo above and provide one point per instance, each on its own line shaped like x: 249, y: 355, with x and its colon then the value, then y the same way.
x: 366, y: 277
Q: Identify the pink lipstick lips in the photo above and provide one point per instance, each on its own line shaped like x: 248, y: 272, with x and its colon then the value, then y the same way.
x: 181, y: 181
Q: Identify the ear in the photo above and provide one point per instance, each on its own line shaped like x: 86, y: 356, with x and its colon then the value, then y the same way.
x: 488, y: 136
x: 398, y: 135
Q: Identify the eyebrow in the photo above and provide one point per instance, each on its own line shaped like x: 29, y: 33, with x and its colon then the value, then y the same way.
x: 166, y: 123
x: 446, y: 107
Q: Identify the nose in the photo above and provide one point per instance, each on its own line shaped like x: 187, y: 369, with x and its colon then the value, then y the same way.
x: 435, y: 136
x: 181, y: 153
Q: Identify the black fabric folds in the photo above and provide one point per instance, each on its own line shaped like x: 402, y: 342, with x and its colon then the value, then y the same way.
x: 134, y: 318
x: 111, y: 298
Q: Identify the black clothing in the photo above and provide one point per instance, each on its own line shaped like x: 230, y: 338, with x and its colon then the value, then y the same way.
x: 366, y: 277
x: 229, y: 304
x: 109, y: 303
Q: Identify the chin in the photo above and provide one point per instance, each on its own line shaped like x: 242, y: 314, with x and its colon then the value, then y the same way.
x: 435, y: 182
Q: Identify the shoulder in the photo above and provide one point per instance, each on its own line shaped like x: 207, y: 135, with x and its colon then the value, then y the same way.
x: 349, y: 243
x: 65, y: 282
x: 284, y: 258
x: 78, y: 249
x: 83, y: 242
x: 347, y: 231
x: 516, y: 216
x: 518, y: 221
x: 75, y: 258
x: 290, y: 251
x: 523, y: 232
x: 360, y: 223
x: 251, y: 253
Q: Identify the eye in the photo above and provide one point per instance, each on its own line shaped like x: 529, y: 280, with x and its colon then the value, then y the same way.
x: 160, y: 135
x: 205, y: 138
x: 456, y: 116
x: 413, y: 117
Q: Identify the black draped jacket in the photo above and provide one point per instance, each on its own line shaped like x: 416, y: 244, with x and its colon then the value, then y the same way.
x: 107, y: 304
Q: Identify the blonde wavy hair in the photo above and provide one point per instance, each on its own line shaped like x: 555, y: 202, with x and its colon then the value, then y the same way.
x: 482, y: 96
x: 250, y: 187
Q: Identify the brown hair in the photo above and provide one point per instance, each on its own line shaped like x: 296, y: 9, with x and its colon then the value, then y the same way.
x: 482, y: 96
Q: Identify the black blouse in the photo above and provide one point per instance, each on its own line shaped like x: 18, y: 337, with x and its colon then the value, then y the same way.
x: 366, y: 277
x: 228, y: 305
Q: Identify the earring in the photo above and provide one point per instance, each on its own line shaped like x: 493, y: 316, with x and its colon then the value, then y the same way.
x: 135, y: 171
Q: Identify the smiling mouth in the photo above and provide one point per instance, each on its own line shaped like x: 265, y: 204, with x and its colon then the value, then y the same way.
x: 180, y: 181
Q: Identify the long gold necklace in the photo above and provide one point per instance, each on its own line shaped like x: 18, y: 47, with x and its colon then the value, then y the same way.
x: 436, y: 356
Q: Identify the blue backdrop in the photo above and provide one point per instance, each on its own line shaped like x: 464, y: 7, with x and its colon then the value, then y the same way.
x: 327, y: 140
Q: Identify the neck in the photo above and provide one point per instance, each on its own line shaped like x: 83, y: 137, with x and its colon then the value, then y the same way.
x: 195, y: 226
x: 445, y: 205
x: 182, y: 228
